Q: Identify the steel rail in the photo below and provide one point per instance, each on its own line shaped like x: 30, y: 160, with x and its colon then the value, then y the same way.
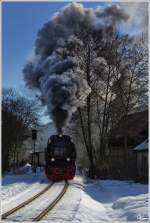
x: 23, y: 204
x: 52, y: 204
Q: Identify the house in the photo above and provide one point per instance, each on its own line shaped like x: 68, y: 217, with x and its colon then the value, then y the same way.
x: 121, y: 143
x: 141, y: 153
x: 137, y: 128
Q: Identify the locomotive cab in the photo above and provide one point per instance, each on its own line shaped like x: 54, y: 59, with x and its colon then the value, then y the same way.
x: 60, y: 157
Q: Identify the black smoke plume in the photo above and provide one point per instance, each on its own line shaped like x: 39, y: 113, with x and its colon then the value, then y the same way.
x: 62, y: 89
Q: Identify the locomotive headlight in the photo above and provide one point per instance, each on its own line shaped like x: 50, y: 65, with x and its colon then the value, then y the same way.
x: 68, y: 159
x: 52, y: 159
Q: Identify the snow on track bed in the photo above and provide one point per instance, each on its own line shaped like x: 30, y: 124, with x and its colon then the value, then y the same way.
x: 99, y: 201
x: 29, y: 212
x: 68, y: 206
x: 27, y: 198
x: 14, y: 184
x: 34, y: 184
x: 14, y: 187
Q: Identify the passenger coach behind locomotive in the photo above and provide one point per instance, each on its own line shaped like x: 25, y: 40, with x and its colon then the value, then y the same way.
x: 60, y: 156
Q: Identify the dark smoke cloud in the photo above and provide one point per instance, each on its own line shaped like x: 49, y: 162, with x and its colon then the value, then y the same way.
x: 63, y: 90
x: 112, y: 15
x: 137, y: 23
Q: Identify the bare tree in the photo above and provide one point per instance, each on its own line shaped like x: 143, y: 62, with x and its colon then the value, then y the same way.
x: 131, y: 83
x: 18, y: 115
x: 114, y: 67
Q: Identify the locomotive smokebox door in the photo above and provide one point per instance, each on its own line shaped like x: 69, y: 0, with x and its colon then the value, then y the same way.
x: 34, y: 134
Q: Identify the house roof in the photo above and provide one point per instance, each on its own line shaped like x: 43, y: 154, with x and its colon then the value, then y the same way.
x: 142, y: 146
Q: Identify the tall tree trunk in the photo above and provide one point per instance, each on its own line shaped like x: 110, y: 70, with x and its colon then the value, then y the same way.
x: 102, y: 141
x: 125, y: 145
x: 89, y: 121
x: 5, y: 159
x: 90, y: 155
x: 126, y: 126
x: 17, y: 159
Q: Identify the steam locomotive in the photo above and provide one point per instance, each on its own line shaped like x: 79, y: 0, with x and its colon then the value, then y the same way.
x: 60, y: 156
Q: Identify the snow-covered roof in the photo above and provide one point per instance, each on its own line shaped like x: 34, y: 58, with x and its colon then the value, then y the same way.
x: 142, y: 147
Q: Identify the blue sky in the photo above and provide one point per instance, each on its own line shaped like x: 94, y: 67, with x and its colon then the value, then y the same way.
x: 20, y: 23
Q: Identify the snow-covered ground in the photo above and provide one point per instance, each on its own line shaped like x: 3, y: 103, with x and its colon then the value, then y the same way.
x: 108, y: 200
x: 86, y: 201
x: 12, y: 184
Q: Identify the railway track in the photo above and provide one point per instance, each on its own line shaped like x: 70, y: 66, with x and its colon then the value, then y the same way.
x: 52, y: 204
x: 23, y: 204
x: 45, y: 210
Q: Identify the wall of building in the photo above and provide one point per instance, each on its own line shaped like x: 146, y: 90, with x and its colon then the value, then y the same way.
x: 142, y: 166
x: 117, y: 161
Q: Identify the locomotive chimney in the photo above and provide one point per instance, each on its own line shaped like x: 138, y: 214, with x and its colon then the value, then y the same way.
x: 59, y: 131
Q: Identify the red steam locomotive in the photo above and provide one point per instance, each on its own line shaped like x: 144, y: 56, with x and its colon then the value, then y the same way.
x: 60, y: 156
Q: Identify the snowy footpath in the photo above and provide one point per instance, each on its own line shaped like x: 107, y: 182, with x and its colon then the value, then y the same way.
x: 86, y: 201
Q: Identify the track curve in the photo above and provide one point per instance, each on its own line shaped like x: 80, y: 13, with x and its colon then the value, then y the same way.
x: 52, y: 204
x: 35, y: 208
x: 23, y: 204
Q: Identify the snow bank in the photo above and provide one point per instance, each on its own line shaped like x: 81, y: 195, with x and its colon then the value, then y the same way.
x: 111, y: 201
x: 27, y: 168
x: 125, y: 200
x: 133, y: 207
x: 122, y: 188
x: 91, y: 210
x: 12, y: 184
x: 90, y: 201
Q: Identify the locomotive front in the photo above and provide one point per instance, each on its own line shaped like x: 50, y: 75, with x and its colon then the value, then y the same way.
x: 60, y: 156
